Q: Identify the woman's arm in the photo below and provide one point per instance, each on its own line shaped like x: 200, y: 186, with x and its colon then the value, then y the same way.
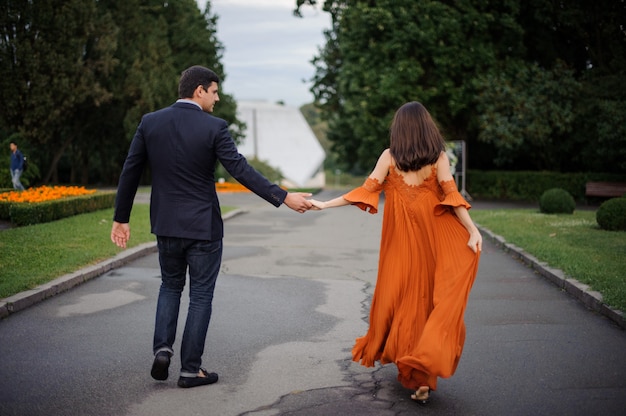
x: 379, y: 174
x: 475, y: 241
x: 333, y: 203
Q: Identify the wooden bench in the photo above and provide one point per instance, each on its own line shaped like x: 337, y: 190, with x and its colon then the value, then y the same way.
x: 605, y: 189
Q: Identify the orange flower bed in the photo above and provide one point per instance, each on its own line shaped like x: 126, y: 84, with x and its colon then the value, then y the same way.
x: 44, y: 193
x: 230, y: 187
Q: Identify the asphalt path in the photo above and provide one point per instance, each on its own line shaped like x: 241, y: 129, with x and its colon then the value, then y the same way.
x: 292, y: 296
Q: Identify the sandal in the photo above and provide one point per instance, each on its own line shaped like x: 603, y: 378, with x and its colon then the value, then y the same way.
x: 421, y: 396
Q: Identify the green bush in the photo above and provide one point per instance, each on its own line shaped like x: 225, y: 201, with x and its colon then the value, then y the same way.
x: 5, y: 215
x: 611, y: 215
x: 556, y: 201
x: 530, y: 185
x: 4, y: 206
x: 36, y: 213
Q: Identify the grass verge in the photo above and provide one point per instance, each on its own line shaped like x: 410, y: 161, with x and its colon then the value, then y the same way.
x: 573, y: 243
x: 37, y: 254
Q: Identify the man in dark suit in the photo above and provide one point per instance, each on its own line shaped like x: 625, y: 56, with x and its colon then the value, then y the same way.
x: 182, y: 143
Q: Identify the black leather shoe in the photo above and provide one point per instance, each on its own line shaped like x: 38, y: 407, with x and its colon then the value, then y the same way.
x: 187, y: 382
x: 160, y: 366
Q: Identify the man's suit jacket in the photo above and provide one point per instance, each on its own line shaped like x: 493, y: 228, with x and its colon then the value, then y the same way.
x: 182, y: 144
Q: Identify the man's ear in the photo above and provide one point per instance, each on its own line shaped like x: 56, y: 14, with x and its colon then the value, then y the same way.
x: 198, y: 91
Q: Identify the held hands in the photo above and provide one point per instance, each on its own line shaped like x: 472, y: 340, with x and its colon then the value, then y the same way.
x: 297, y: 201
x: 317, y: 205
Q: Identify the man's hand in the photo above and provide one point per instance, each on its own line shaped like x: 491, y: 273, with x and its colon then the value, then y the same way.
x: 120, y: 233
x: 297, y: 201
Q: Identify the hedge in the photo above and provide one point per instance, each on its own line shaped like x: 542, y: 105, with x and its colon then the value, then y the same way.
x: 530, y: 185
x: 35, y: 213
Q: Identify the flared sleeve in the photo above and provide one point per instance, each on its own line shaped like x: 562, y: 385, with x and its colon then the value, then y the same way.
x: 452, y: 198
x: 366, y: 196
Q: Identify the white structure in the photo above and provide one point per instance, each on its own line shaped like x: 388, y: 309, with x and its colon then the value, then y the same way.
x: 281, y: 137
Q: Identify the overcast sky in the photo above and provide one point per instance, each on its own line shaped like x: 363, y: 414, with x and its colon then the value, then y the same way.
x: 267, y: 50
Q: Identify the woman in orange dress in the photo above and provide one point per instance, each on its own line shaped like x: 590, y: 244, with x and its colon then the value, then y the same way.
x: 429, y: 254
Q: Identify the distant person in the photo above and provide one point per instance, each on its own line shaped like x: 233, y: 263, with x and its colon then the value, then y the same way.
x: 429, y: 256
x: 17, y: 166
x: 182, y: 144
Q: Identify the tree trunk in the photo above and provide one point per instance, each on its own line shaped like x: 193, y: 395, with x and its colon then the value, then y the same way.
x: 52, y: 171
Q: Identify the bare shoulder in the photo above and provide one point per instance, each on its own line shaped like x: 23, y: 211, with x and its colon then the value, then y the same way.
x: 385, y: 160
x: 382, y: 166
x: 443, y: 167
x: 385, y: 157
x: 443, y: 158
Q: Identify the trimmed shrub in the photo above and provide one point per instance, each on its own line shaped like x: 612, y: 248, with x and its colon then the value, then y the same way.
x: 4, y: 211
x: 557, y: 201
x: 530, y: 185
x: 611, y: 215
x: 36, y: 213
x: 4, y: 206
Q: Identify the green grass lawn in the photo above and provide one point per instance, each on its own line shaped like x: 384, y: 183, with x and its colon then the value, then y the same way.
x: 573, y: 243
x: 36, y: 254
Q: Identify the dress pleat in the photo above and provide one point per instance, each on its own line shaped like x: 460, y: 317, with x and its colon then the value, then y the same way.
x: 425, y: 274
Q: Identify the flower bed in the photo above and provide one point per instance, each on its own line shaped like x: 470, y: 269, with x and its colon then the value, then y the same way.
x: 49, y: 203
x: 44, y: 203
x: 230, y: 187
x: 45, y: 193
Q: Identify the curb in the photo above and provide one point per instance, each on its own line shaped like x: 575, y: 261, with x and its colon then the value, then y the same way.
x: 580, y: 291
x: 64, y: 283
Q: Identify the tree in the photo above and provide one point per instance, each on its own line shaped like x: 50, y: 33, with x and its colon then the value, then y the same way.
x: 526, y: 110
x: 193, y: 39
x: 577, y: 54
x: 458, y: 56
x: 381, y: 54
x: 52, y: 55
x: 77, y: 75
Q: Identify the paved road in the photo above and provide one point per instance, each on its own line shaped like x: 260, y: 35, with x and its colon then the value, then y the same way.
x: 293, y: 294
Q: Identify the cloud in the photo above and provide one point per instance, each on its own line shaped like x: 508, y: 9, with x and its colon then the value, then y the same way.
x: 272, y: 4
x: 268, y: 50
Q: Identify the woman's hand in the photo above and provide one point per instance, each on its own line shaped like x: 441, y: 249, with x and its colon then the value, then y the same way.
x: 317, y: 205
x: 475, y: 241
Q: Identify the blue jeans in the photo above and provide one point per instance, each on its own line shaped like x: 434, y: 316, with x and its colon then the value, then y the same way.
x: 15, y: 178
x: 204, y: 259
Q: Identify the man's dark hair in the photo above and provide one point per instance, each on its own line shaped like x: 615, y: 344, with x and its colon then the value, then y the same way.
x: 12, y: 142
x: 194, y: 76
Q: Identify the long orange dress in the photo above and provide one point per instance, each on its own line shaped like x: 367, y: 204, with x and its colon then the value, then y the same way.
x: 425, y: 274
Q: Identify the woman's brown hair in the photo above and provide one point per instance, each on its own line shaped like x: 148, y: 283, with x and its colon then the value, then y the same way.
x: 415, y: 138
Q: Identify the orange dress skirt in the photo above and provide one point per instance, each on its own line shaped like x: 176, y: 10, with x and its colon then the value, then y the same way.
x: 425, y: 274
